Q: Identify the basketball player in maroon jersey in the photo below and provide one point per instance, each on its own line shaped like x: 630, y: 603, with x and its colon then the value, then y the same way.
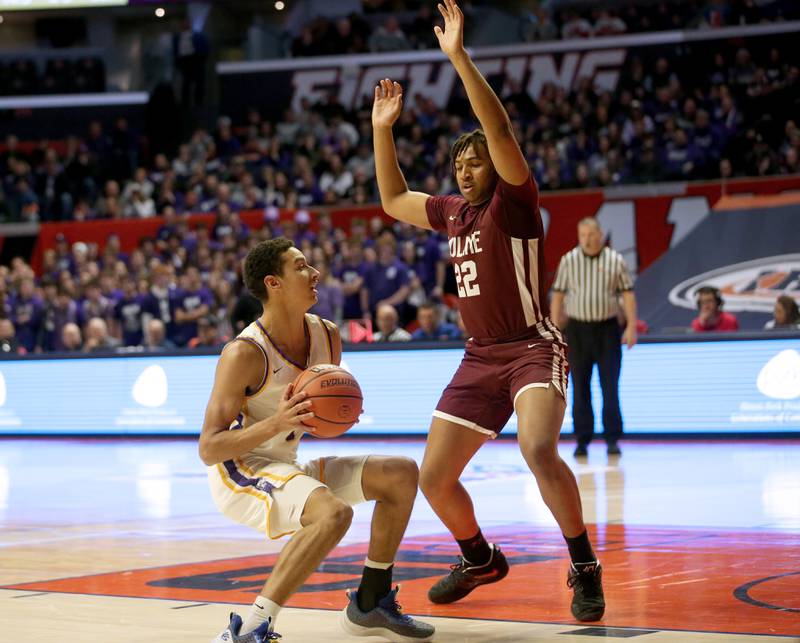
x: 515, y: 358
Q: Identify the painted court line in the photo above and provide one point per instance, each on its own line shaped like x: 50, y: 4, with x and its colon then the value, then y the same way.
x: 684, y: 582
x: 643, y: 580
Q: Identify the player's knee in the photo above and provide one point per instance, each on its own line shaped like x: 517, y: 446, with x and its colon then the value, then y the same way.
x: 405, y: 475
x: 432, y: 483
x: 539, y: 454
x: 399, y: 478
x: 339, y: 515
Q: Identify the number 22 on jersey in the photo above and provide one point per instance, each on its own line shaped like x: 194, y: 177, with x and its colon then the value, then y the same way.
x: 467, y: 278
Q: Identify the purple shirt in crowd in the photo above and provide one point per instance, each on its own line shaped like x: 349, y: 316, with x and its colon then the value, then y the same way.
x: 384, y: 280
x: 128, y: 312
x: 190, y: 300
x: 26, y: 314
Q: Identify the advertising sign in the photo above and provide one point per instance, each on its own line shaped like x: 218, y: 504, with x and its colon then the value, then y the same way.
x: 686, y: 387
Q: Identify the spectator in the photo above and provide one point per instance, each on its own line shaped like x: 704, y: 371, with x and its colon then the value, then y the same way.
x: 575, y: 26
x: 140, y: 206
x: 97, y: 337
x: 431, y: 329
x: 541, y: 26
x: 139, y: 183
x: 416, y: 290
x: 785, y: 316
x: 388, y: 330
x: 191, y: 50
x: 27, y: 311
x: 608, y: 24
x: 128, y: 313
x: 389, y: 37
x: 386, y: 281
x: 159, y: 301
x: 330, y: 298
x: 419, y: 31
x: 350, y: 274
x: 52, y: 187
x: 191, y: 304
x: 337, y: 178
x: 71, y: 340
x: 8, y: 339
x: 711, y: 317
x: 208, y: 335
x: 50, y: 330
x: 66, y: 312
x: 245, y: 311
x: 156, y: 339
x: 95, y: 304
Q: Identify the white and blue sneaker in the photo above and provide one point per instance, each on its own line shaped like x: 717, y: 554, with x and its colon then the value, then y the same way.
x: 230, y: 634
x: 386, y: 620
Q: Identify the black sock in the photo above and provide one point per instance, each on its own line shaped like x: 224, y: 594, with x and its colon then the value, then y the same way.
x: 476, y: 550
x: 375, y: 584
x: 580, y: 549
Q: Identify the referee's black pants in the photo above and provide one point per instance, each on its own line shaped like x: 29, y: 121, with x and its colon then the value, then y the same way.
x: 593, y: 343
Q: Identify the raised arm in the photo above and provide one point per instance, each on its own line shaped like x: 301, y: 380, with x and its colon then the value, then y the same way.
x: 396, y: 199
x: 504, y: 150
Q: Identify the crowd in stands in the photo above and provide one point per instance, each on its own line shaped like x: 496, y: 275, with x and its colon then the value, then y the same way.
x: 406, y: 25
x: 182, y: 289
x: 23, y: 77
x: 670, y: 119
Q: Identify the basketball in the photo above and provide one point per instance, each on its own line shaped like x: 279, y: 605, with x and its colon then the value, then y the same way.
x: 335, y: 396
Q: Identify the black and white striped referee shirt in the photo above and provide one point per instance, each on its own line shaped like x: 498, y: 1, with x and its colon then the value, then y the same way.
x: 592, y: 284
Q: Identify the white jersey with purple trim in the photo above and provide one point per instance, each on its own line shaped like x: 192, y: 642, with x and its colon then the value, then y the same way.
x: 279, y: 372
x: 243, y: 487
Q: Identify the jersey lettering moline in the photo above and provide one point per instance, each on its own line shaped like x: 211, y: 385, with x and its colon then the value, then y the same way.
x: 498, y: 257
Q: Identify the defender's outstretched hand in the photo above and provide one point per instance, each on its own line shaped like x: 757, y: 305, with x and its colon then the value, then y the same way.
x: 451, y: 40
x: 388, y: 103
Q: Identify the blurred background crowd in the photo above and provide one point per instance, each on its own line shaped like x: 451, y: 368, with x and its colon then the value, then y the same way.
x: 674, y: 116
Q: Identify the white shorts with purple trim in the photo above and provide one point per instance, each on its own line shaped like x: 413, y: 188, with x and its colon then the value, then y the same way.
x: 270, y: 496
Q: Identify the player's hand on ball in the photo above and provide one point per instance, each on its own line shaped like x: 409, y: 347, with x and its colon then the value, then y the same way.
x: 388, y: 103
x: 293, y: 410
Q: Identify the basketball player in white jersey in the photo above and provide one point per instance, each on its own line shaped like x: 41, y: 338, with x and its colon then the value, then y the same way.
x: 251, y: 431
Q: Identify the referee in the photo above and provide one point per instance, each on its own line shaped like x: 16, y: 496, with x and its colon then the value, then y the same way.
x: 591, y: 277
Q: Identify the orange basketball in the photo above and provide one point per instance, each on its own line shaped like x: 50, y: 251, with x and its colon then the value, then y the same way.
x: 335, y: 398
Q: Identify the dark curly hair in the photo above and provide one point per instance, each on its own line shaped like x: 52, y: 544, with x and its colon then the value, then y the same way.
x: 265, y: 259
x: 475, y: 138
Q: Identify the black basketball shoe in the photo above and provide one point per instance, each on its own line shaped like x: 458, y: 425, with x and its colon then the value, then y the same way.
x: 586, y: 582
x: 465, y: 577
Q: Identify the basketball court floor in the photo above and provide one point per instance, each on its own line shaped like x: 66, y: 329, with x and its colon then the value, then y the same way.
x: 109, y: 540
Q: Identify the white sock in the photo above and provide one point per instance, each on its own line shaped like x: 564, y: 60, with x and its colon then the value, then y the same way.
x: 262, y: 610
x: 377, y: 565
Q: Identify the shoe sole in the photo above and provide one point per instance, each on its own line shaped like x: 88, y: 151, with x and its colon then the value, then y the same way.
x: 588, y: 618
x: 468, y: 592
x: 354, y: 629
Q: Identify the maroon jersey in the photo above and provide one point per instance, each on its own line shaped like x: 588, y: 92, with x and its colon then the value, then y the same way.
x: 498, y: 256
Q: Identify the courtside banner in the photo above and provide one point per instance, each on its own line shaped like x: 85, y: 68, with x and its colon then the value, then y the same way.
x: 751, y: 256
x: 730, y: 386
x: 276, y: 85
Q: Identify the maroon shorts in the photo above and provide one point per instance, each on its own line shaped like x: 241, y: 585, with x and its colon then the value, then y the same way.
x: 483, y: 391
